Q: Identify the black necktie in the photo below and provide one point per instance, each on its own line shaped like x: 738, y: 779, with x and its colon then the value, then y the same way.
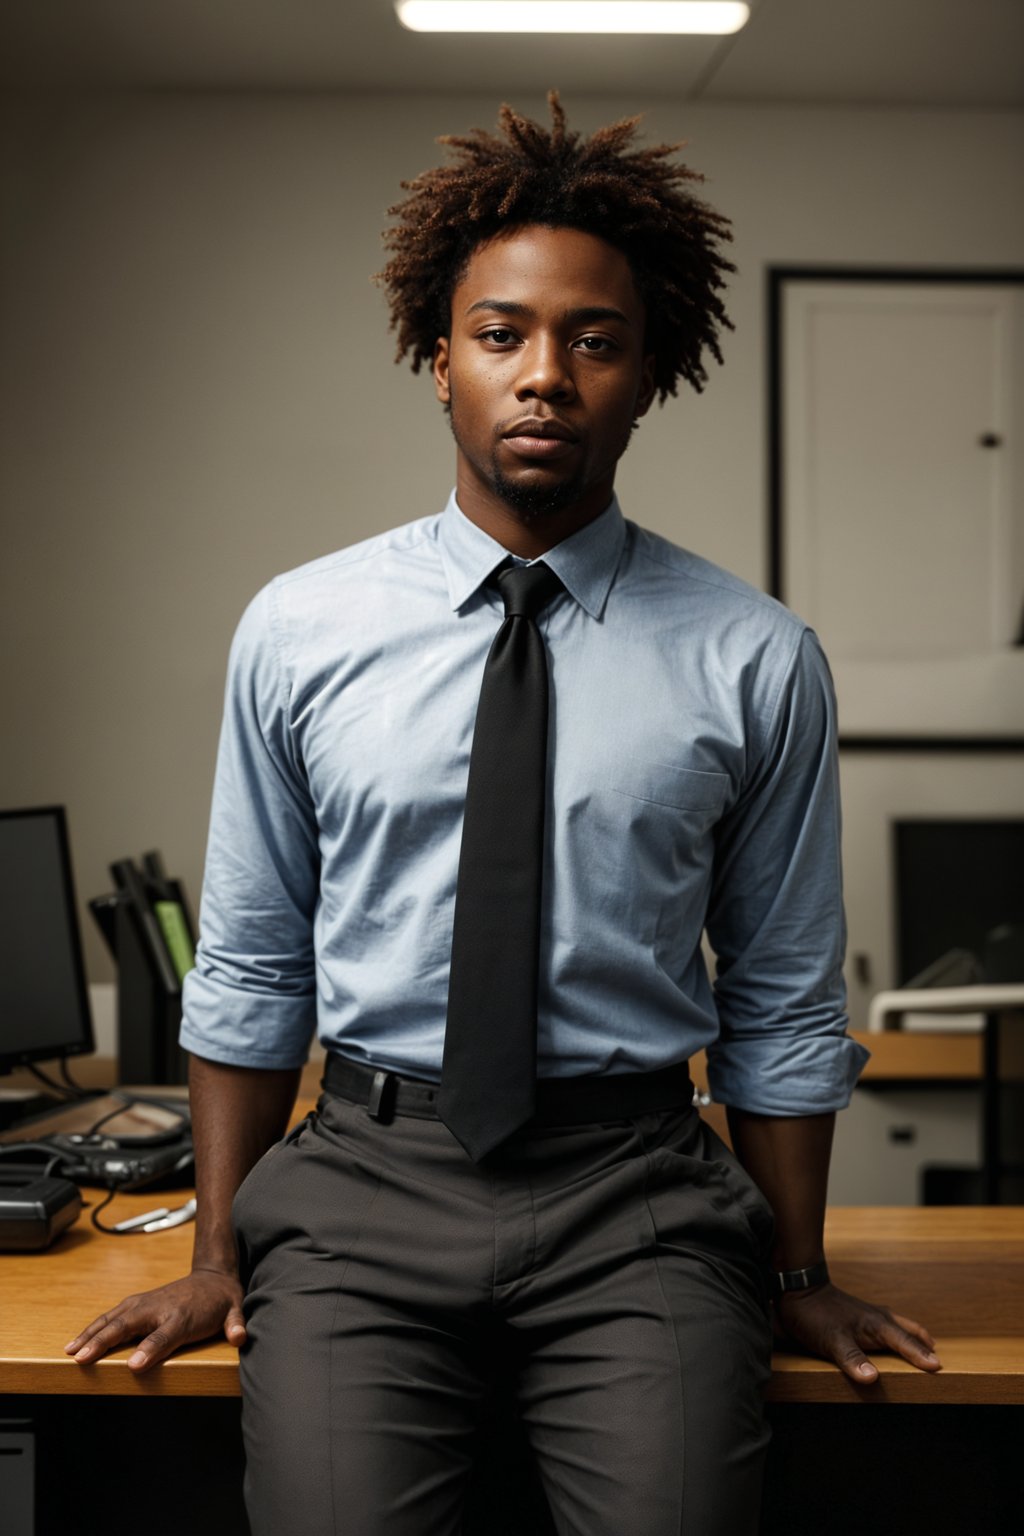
x: 488, y: 1079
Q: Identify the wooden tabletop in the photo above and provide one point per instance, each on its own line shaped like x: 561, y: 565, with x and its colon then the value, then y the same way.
x: 987, y: 1370
x: 47, y: 1298
x: 959, y: 1270
x: 940, y: 1055
x: 900, y: 1056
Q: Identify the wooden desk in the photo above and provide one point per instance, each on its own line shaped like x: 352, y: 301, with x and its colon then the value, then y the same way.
x: 935, y: 1057
x: 957, y: 1269
x: 960, y: 1270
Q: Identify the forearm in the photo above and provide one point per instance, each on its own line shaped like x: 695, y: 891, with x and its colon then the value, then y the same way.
x: 237, y: 1113
x: 788, y: 1160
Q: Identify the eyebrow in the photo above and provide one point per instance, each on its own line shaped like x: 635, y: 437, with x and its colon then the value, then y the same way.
x: 581, y: 316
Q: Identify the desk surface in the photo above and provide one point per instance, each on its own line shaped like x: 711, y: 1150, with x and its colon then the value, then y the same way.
x: 937, y: 1055
x: 959, y: 1270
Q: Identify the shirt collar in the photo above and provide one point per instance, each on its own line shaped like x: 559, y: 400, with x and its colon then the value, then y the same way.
x: 585, y: 562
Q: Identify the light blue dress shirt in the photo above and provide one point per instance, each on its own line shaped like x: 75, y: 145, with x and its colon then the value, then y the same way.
x: 692, y: 782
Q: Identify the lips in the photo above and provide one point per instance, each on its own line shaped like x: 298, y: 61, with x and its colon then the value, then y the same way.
x: 544, y: 427
x: 540, y: 437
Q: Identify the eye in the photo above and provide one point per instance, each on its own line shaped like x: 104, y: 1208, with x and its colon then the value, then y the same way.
x: 596, y: 344
x: 498, y: 335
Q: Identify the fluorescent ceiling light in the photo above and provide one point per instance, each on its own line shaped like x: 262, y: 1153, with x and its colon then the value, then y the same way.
x: 533, y: 16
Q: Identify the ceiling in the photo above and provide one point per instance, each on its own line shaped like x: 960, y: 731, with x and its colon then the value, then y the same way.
x: 904, y: 53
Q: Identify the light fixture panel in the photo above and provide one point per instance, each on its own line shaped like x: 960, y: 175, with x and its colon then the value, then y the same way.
x: 529, y: 17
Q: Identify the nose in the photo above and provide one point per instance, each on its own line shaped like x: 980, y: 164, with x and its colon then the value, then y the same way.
x: 546, y: 373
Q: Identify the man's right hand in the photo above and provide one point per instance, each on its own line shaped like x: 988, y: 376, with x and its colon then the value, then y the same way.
x: 237, y: 1113
x: 183, y: 1312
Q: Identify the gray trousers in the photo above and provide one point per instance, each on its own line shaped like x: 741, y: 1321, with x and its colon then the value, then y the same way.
x: 618, y: 1265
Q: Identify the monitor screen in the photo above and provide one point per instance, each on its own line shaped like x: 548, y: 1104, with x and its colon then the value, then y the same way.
x: 956, y: 880
x: 44, y: 1002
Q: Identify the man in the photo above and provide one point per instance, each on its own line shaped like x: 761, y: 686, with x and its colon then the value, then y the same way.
x: 432, y: 822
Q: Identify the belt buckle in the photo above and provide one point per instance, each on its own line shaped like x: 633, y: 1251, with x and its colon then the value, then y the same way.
x: 381, y: 1102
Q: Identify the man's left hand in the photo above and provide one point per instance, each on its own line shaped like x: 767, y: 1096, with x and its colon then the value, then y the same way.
x: 829, y: 1323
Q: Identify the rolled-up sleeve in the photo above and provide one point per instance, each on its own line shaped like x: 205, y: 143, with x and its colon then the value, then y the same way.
x: 775, y: 919
x: 251, y: 999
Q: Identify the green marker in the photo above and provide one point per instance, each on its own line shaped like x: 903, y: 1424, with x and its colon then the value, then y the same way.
x: 176, y: 936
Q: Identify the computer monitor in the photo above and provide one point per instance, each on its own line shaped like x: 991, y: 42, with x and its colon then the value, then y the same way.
x: 44, y: 1000
x: 957, y: 879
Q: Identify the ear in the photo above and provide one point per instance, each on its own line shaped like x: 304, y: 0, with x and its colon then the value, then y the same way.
x: 442, y: 387
x: 647, y: 391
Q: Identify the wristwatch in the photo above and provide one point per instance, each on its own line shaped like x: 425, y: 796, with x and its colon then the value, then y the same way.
x: 780, y: 1281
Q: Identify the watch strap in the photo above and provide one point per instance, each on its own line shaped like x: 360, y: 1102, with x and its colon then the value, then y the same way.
x: 781, y: 1281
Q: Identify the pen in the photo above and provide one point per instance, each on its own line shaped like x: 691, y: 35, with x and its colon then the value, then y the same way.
x: 172, y: 1218
x: 140, y: 1221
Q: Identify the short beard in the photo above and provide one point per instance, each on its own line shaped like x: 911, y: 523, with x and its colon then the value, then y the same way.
x: 535, y: 501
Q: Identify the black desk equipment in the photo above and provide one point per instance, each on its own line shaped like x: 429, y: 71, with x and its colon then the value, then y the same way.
x: 44, y: 1001
x: 149, y: 930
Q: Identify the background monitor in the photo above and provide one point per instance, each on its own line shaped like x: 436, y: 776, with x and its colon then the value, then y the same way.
x: 956, y: 880
x: 44, y: 1000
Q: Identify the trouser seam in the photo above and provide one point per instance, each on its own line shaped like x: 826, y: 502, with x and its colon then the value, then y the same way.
x: 648, y: 1169
x: 331, y: 1346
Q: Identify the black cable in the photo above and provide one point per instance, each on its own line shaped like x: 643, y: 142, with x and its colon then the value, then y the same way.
x: 83, y: 1093
x: 152, y: 1139
x: 44, y: 1077
x: 95, y: 1210
x: 137, y: 1231
x: 111, y: 1114
x: 69, y: 1090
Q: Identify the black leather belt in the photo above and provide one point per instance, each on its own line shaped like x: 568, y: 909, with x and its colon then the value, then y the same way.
x: 560, y: 1101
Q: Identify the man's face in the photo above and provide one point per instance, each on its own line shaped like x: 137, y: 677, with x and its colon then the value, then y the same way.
x: 545, y: 375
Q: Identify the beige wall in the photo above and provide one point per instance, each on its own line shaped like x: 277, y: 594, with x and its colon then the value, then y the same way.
x: 196, y: 387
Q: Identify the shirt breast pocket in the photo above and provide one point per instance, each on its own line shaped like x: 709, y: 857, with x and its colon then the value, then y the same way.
x: 640, y: 843
x: 690, y: 790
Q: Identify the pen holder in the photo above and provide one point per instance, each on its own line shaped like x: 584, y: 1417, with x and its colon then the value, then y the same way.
x: 148, y: 1015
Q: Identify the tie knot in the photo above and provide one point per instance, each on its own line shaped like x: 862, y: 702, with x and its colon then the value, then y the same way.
x: 527, y: 589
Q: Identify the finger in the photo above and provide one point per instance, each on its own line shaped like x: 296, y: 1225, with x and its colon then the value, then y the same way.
x: 234, y: 1326
x: 895, y: 1337
x: 105, y: 1320
x: 909, y: 1326
x: 88, y: 1332
x: 108, y: 1332
x: 156, y: 1346
x: 853, y: 1361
